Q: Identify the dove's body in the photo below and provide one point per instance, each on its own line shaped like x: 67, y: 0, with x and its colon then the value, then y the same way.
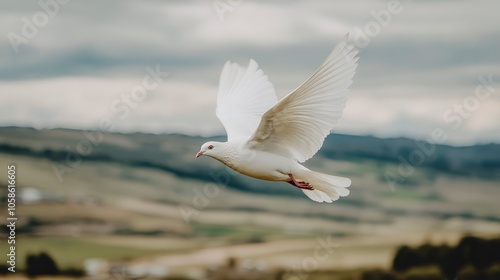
x: 257, y: 164
x: 267, y: 138
x: 271, y: 167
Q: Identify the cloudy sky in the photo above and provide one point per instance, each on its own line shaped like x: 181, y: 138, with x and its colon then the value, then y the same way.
x: 424, y: 64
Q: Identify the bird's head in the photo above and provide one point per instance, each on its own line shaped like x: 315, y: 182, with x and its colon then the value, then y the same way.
x: 211, y: 149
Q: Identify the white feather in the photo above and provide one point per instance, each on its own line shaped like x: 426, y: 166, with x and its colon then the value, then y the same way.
x: 297, y: 126
x: 244, y: 95
x: 327, y: 188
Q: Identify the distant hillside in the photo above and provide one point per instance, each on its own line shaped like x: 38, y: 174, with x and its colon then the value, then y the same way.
x: 174, y: 153
x: 478, y: 160
x: 134, y: 171
x: 112, y: 192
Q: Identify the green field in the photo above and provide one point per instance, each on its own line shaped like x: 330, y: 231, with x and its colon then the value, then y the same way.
x: 71, y: 252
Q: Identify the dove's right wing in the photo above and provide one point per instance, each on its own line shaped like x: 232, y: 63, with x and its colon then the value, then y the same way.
x: 244, y: 95
x: 297, y: 126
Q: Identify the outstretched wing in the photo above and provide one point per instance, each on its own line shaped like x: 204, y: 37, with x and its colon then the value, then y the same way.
x: 244, y: 95
x: 297, y: 125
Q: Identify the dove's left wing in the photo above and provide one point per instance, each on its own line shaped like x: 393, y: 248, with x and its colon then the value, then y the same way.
x: 297, y: 126
x: 244, y: 95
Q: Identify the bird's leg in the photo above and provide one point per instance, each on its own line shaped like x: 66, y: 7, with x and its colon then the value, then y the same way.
x: 300, y: 184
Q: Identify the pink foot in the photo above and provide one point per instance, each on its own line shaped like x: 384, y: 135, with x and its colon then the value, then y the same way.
x: 300, y: 184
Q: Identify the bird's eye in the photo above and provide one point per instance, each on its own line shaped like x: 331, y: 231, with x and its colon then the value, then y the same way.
x: 210, y: 147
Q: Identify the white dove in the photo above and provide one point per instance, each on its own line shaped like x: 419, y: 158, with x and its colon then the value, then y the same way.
x: 267, y: 139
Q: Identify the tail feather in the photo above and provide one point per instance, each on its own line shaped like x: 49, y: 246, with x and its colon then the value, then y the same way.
x: 327, y: 188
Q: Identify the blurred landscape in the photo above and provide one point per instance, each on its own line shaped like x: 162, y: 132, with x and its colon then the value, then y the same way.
x: 140, y: 204
x: 132, y: 202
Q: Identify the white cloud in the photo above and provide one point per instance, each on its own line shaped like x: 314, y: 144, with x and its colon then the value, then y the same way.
x: 84, y: 102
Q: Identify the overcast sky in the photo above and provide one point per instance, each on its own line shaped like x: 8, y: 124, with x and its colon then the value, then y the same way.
x: 70, y: 64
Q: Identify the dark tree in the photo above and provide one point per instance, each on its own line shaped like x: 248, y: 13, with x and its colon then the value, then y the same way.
x: 41, y: 264
x: 406, y: 258
x: 3, y: 269
x: 31, y: 265
x: 451, y: 263
x: 481, y: 253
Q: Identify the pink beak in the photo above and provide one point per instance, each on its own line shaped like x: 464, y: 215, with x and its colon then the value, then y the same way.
x: 199, y: 154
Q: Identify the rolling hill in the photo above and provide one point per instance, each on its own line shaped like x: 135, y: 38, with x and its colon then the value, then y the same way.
x: 124, y: 192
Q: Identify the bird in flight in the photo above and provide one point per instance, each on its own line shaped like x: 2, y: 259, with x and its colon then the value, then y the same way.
x: 268, y: 139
